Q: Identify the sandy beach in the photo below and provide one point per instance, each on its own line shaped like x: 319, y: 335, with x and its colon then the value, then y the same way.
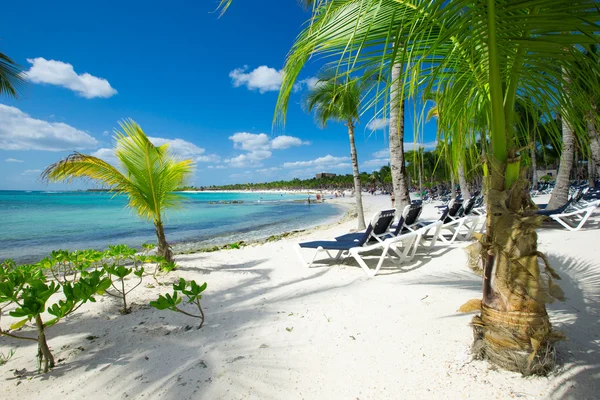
x: 277, y: 330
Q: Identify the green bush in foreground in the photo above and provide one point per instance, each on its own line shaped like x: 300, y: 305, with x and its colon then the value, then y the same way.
x: 191, y: 290
x: 62, y: 282
x: 29, y: 290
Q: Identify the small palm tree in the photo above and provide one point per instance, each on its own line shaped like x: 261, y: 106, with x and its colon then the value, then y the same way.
x: 150, y: 175
x: 10, y: 76
x: 339, y: 100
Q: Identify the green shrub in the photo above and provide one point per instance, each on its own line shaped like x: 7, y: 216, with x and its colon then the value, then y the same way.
x: 193, y: 293
x: 28, y: 290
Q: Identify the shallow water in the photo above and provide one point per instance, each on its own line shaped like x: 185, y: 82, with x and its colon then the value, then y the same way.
x: 34, y: 223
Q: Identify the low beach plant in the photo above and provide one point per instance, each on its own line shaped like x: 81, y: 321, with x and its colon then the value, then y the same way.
x: 27, y: 290
x: 4, y: 358
x: 193, y: 294
x: 121, y: 256
x: 65, y: 265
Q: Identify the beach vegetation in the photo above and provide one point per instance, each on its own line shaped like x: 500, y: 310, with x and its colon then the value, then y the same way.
x: 147, y: 174
x: 4, y: 358
x: 172, y: 301
x: 11, y: 77
x: 338, y: 99
x: 27, y: 291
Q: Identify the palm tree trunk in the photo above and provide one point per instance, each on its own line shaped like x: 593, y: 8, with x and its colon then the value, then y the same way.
x: 594, y: 145
x: 163, y: 247
x: 357, y: 186
x: 397, y: 164
x: 453, y: 184
x: 513, y: 329
x: 462, y: 181
x: 534, y: 177
x: 591, y: 174
x: 560, y: 193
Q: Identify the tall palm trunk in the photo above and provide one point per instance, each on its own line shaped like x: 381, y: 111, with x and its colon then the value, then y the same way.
x: 594, y: 160
x: 453, y: 184
x: 357, y: 186
x: 560, y: 193
x: 397, y: 163
x: 534, y: 177
x: 462, y: 180
x: 591, y: 173
x: 163, y: 250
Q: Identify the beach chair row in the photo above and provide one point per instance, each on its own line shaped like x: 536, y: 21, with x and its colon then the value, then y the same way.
x: 397, y: 241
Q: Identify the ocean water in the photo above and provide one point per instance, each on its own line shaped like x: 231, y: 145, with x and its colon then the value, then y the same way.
x: 34, y: 223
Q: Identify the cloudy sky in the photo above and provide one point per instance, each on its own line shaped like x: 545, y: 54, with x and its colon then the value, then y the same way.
x: 204, y: 84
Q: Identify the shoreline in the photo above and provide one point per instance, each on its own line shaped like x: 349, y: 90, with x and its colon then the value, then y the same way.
x: 346, y: 213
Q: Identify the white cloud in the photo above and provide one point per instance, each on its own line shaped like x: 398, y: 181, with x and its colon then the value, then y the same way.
x: 383, y: 153
x: 106, y: 133
x: 267, y: 170
x: 285, y: 142
x: 179, y: 148
x: 264, y: 79
x: 13, y: 160
x: 31, y: 171
x: 327, y: 161
x: 183, y: 149
x: 309, y: 83
x: 19, y: 131
x: 107, y: 155
x: 250, y: 159
x: 377, y: 124
x: 62, y: 74
x: 250, y: 141
x: 376, y: 162
x: 258, y: 147
x: 216, y: 167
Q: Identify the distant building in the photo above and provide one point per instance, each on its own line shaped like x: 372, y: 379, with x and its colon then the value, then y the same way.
x: 543, y: 172
x: 324, y: 175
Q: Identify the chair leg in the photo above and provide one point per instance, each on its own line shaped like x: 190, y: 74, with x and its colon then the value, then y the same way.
x: 362, y: 263
x: 302, y: 261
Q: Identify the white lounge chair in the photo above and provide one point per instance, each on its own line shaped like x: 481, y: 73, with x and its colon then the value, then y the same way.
x: 356, y: 248
x: 574, y: 220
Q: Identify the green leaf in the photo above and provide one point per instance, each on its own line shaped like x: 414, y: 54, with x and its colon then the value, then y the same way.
x: 19, y: 324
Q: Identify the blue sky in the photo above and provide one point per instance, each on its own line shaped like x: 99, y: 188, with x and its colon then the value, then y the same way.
x: 205, y: 84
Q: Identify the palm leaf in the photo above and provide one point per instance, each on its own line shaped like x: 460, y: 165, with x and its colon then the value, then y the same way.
x: 11, y: 77
x: 150, y: 175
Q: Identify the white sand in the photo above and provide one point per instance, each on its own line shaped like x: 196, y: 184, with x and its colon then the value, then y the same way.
x: 277, y: 330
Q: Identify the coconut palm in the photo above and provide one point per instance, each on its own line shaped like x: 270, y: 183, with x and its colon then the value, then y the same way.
x: 560, y: 193
x: 481, y: 55
x: 339, y: 100
x: 396, y: 139
x: 148, y: 176
x: 11, y: 77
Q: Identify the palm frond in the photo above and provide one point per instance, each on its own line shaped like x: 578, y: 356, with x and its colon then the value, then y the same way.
x: 150, y: 178
x: 11, y: 77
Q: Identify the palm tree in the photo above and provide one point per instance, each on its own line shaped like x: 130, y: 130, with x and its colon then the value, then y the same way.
x: 397, y: 159
x: 11, y: 77
x: 481, y: 55
x: 339, y: 100
x: 149, y: 176
x: 560, y: 193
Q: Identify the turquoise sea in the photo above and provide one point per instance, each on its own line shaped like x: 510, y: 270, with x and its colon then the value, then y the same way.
x: 34, y: 223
